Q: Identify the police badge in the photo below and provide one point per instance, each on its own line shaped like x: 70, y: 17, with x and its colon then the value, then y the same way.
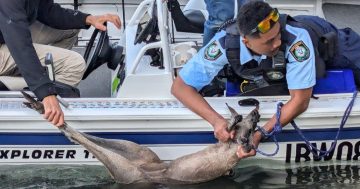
x: 212, y: 51
x: 300, y: 51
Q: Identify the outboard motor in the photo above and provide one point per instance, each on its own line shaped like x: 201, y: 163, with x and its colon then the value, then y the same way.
x: 104, y: 52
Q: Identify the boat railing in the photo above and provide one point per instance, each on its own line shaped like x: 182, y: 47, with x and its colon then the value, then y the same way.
x: 163, y: 30
x: 143, y: 80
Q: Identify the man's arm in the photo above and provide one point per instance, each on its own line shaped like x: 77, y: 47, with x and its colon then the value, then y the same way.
x: 14, y: 27
x: 198, y: 72
x: 196, y: 103
x: 298, y: 103
x: 52, y: 14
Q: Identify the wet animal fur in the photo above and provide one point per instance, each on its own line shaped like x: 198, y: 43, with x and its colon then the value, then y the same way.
x: 129, y: 162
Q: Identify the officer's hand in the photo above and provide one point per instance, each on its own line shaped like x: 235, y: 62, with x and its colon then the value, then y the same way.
x: 256, y: 140
x: 221, y: 132
x: 242, y: 154
x: 98, y: 21
x: 53, y: 112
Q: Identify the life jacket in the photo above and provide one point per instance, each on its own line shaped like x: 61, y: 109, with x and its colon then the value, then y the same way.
x: 272, y: 71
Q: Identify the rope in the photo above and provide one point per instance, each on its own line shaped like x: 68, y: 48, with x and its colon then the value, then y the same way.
x: 313, y: 148
x: 277, y: 129
x: 263, y: 132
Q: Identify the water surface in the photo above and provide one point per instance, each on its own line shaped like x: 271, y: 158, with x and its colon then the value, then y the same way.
x: 260, y: 176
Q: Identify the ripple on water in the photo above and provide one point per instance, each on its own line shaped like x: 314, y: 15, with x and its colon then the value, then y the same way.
x: 93, y: 176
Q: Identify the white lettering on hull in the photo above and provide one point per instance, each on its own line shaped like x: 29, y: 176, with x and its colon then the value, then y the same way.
x: 42, y: 154
x: 344, y: 150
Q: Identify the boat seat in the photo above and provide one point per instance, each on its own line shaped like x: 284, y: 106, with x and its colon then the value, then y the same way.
x: 192, y: 18
x: 12, y: 83
x: 196, y: 17
x: 195, y: 11
x: 17, y: 83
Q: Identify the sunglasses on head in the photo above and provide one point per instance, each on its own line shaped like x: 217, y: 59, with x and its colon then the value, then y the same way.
x: 265, y: 25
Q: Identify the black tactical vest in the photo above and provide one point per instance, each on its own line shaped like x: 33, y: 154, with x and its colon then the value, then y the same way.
x: 268, y: 72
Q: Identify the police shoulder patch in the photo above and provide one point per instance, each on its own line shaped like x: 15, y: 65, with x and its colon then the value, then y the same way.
x: 212, y: 51
x: 300, y: 51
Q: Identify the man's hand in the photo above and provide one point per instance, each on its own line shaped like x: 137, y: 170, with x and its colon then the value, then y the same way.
x: 221, y: 132
x: 242, y: 154
x: 256, y: 140
x: 53, y: 112
x: 98, y: 21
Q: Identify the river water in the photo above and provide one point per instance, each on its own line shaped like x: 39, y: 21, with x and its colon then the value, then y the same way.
x: 334, y: 175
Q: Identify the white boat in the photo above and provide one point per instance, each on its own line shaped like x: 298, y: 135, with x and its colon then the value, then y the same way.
x: 143, y: 110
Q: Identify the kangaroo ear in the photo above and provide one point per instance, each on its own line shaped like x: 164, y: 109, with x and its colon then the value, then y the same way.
x: 255, y: 117
x: 234, y: 119
x: 232, y: 111
x: 233, y: 123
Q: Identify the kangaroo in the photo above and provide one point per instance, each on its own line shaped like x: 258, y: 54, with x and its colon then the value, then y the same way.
x: 128, y: 162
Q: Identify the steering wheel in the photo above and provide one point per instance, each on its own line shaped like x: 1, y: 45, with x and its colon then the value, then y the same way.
x: 104, y: 52
x: 92, y: 61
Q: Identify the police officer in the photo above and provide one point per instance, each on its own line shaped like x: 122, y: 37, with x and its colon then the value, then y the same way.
x: 19, y: 55
x: 302, y: 42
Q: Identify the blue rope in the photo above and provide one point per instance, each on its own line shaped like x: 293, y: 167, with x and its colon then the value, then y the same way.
x: 277, y: 129
x: 274, y: 139
x: 313, y: 148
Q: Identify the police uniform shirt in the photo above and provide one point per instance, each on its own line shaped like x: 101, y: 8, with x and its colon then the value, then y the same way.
x: 300, y: 69
x: 201, y: 69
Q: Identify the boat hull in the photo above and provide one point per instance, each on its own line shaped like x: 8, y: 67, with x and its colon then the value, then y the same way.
x: 170, y: 129
x: 39, y: 148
